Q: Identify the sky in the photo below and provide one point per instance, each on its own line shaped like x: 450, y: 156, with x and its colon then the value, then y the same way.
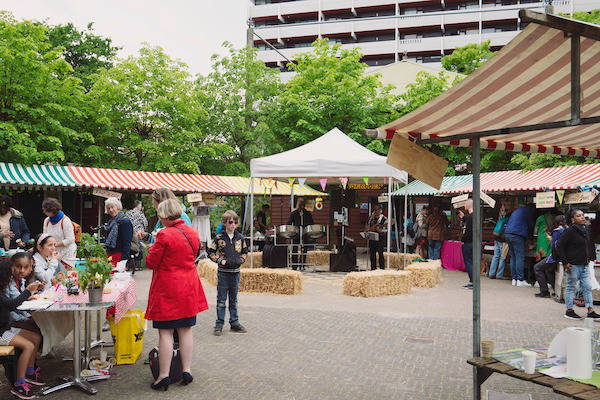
x: 189, y: 30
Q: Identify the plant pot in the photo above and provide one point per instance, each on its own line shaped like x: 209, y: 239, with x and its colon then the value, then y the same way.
x: 95, y: 294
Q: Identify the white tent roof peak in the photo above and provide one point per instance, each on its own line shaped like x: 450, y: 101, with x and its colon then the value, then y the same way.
x: 332, y: 155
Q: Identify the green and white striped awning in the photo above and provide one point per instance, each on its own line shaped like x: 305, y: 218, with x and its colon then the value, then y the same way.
x: 449, y: 183
x: 35, y: 175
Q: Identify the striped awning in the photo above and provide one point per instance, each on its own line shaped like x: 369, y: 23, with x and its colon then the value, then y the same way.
x: 148, y: 181
x: 35, y: 175
x: 568, y: 178
x: 527, y: 83
x: 269, y: 187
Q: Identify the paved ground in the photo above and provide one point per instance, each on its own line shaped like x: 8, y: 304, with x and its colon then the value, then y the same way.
x: 323, y: 345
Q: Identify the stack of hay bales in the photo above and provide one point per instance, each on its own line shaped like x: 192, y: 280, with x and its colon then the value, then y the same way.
x: 318, y: 257
x: 377, y: 283
x: 257, y: 280
x: 397, y: 259
x: 257, y: 255
x: 426, y: 274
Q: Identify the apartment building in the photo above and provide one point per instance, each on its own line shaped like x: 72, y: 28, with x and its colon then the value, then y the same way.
x: 421, y: 31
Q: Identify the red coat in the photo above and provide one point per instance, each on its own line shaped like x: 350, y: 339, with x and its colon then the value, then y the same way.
x: 176, y: 291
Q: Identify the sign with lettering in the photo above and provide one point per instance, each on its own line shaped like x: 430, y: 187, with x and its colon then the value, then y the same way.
x: 365, y: 186
x: 106, y: 193
x: 382, y: 199
x: 487, y: 199
x: 194, y: 197
x: 579, y: 197
x: 545, y: 200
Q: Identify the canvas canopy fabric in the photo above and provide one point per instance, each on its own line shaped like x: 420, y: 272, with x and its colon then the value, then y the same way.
x: 267, y: 187
x: 35, y: 175
x: 332, y: 155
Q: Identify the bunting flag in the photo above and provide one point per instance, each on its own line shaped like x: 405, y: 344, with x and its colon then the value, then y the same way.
x: 344, y: 182
x: 366, y: 180
x: 561, y: 195
x: 323, y: 182
x: 384, y: 180
x: 275, y: 184
x: 291, y: 180
x: 301, y: 181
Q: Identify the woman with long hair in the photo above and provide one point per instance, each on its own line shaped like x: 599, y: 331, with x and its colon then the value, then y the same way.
x: 545, y: 268
x: 158, y: 196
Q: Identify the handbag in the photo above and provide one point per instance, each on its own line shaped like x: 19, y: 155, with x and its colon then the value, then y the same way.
x: 176, y: 371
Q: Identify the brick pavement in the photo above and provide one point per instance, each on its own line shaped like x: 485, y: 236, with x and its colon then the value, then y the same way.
x: 323, y: 345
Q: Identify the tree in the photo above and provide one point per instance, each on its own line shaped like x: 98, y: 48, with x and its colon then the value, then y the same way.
x: 237, y: 96
x: 592, y: 17
x: 40, y: 100
x: 466, y: 59
x: 331, y: 90
x: 85, y: 51
x: 147, y: 115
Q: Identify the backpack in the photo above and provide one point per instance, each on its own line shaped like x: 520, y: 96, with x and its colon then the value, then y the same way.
x: 554, y: 250
x: 76, y: 229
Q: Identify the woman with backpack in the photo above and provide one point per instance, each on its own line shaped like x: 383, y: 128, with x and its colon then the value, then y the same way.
x: 62, y: 229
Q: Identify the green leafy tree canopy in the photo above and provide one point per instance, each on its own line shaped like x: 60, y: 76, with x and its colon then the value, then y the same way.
x: 466, y: 59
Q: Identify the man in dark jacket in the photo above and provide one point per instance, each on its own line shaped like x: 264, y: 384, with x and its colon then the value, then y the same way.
x: 13, y: 227
x: 300, y: 217
x: 575, y: 250
x: 467, y: 239
x: 518, y: 229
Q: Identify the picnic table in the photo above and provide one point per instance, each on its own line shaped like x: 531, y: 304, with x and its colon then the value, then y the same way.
x: 566, y: 387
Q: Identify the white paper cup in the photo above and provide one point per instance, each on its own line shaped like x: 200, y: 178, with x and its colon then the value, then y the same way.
x: 103, y: 355
x: 529, y: 358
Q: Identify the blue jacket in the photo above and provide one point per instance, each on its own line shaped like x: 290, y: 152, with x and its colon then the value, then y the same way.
x: 521, y: 222
x: 12, y: 293
x: 555, y: 235
x: 124, y: 238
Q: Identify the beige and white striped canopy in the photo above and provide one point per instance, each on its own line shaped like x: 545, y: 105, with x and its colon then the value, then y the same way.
x: 527, y: 82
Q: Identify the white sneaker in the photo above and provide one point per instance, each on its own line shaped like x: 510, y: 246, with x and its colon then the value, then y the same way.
x: 537, y: 285
x: 523, y: 284
x: 514, y: 282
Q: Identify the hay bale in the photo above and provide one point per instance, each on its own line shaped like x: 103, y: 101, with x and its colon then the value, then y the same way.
x: 426, y: 274
x: 257, y: 256
x: 257, y: 280
x: 377, y: 283
x: 318, y: 257
x: 397, y: 259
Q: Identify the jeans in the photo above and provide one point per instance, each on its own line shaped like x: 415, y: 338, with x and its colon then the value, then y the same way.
x: 376, y: 247
x: 578, y: 273
x: 467, y: 253
x: 544, y: 274
x: 228, y: 284
x: 497, y: 261
x: 516, y: 246
x: 435, y: 248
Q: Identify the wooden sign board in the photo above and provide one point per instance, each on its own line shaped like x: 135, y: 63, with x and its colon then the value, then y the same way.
x: 487, y: 199
x: 459, y: 201
x: 364, y: 186
x: 194, y: 197
x: 382, y: 199
x: 106, y: 193
x: 545, y: 200
x: 417, y: 161
x: 209, y: 198
x: 579, y: 197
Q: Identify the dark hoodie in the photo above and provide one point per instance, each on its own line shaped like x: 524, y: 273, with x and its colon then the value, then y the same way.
x: 19, y: 227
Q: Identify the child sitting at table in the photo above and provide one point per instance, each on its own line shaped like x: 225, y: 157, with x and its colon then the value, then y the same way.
x: 46, y: 258
x: 27, y: 341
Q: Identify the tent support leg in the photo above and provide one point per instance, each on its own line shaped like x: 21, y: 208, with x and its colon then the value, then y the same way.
x: 575, y: 78
x: 404, y: 222
x: 389, y: 222
x: 476, y: 264
x: 251, y: 221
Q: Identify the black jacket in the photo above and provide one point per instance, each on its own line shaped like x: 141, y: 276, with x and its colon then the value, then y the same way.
x: 8, y: 304
x: 467, y: 236
x: 19, y: 227
x: 232, y: 251
x: 300, y: 217
x: 575, y: 246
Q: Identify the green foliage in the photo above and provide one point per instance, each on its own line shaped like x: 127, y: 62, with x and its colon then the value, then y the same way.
x: 147, y: 115
x: 466, y: 59
x: 331, y: 90
x: 425, y: 88
x: 95, y: 273
x: 85, y: 51
x: 237, y: 96
x: 592, y: 17
x: 89, y: 248
x: 40, y: 99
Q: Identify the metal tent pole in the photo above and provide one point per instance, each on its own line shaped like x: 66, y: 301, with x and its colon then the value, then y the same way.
x: 476, y: 264
x: 251, y: 220
x: 389, y: 223
x: 404, y: 222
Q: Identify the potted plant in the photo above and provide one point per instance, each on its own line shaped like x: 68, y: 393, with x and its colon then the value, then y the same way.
x: 90, y: 248
x: 94, y: 275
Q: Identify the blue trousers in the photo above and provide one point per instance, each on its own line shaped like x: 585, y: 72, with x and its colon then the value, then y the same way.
x: 228, y: 285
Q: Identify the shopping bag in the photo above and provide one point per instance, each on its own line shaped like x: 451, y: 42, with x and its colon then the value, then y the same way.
x: 128, y: 336
x: 176, y: 371
x: 592, y: 274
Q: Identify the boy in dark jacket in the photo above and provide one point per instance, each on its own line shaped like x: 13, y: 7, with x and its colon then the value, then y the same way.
x: 229, y: 251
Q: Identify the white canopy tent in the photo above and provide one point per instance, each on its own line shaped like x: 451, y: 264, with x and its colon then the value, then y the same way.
x: 332, y: 155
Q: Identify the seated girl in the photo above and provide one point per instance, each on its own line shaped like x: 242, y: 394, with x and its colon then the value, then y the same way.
x: 22, y: 269
x: 46, y: 258
x: 27, y: 341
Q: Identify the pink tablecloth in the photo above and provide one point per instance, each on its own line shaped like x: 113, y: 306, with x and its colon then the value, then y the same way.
x: 452, y: 258
x: 123, y: 294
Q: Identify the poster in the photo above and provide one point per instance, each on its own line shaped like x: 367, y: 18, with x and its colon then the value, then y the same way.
x: 545, y: 200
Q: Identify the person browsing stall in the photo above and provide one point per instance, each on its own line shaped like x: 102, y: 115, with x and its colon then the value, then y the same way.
x: 437, y: 223
x: 546, y: 267
x: 119, y: 231
x: 13, y: 228
x: 158, y: 196
x: 61, y: 228
x: 176, y: 295
x: 229, y: 251
x: 376, y: 223
x: 518, y: 229
x: 261, y: 219
x: 467, y: 240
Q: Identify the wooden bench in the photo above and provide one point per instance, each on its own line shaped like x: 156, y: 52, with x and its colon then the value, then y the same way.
x: 8, y: 358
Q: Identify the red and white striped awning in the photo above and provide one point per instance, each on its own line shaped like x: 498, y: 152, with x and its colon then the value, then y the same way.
x: 107, y: 178
x: 528, y: 82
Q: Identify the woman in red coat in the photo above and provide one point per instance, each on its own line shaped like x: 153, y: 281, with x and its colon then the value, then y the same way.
x: 176, y: 293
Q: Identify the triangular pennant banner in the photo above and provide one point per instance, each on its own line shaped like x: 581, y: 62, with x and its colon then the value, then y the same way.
x: 561, y: 195
x: 384, y: 180
x: 275, y: 184
x: 291, y: 180
x: 366, y: 180
x: 344, y: 182
x: 301, y: 181
x: 323, y: 182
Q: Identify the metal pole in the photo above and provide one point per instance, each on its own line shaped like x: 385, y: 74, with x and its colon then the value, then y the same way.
x: 476, y: 263
x: 251, y: 220
x: 405, y: 222
x: 575, y: 78
x: 389, y: 223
